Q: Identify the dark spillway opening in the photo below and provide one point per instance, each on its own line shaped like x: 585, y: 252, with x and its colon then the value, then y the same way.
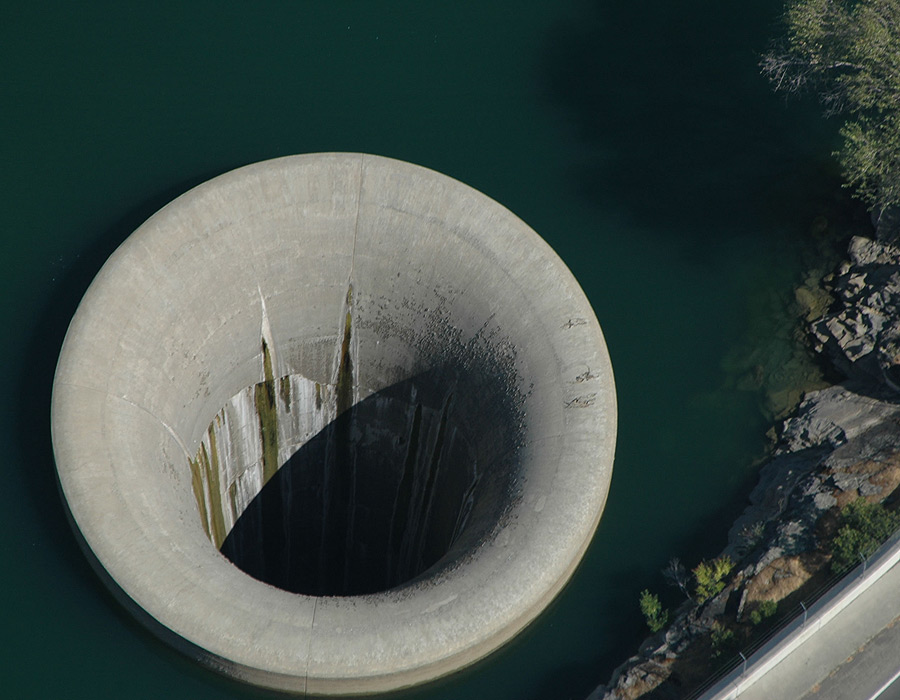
x: 407, y: 481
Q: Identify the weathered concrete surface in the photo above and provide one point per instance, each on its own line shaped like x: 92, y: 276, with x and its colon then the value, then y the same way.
x: 437, y: 281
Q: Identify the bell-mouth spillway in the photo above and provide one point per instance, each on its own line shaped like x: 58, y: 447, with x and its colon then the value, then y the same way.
x: 309, y: 491
x: 334, y: 424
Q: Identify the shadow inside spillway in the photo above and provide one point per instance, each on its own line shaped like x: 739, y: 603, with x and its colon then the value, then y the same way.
x: 384, y: 491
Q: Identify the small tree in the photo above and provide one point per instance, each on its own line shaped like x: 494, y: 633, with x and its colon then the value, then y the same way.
x: 863, y: 527
x: 676, y: 575
x: 764, y: 610
x: 709, y: 577
x: 652, y: 609
x: 750, y: 535
x: 721, y: 639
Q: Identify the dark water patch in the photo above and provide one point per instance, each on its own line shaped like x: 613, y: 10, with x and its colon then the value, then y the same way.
x: 676, y: 128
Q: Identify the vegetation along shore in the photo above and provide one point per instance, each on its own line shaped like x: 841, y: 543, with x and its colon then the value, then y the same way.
x: 829, y: 492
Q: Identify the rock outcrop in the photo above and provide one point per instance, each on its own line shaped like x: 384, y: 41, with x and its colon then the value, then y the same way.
x: 861, y: 333
x: 842, y: 443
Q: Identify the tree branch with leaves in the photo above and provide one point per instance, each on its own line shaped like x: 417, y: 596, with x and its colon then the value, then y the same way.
x: 848, y: 53
x: 655, y: 615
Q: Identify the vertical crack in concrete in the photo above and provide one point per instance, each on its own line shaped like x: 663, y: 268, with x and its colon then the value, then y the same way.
x: 265, y: 331
x: 150, y: 413
x: 466, y: 503
x: 350, y: 539
x: 309, y: 639
x: 339, y: 478
x: 344, y: 381
x: 403, y: 500
x: 429, y: 492
x: 339, y: 468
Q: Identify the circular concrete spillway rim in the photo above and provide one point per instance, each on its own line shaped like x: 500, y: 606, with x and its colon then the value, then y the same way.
x: 169, y: 330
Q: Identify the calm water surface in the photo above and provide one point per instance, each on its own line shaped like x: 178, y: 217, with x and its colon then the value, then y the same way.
x: 638, y: 139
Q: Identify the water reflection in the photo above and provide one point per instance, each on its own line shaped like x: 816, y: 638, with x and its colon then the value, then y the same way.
x: 674, y: 123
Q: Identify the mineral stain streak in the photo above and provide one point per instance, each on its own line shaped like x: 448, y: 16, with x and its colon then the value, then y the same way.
x: 305, y: 487
x: 266, y: 411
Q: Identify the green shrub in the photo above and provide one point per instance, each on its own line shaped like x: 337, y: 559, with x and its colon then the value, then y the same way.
x: 709, y: 577
x: 652, y: 609
x: 764, y: 610
x: 849, y: 53
x: 863, y: 527
x: 722, y: 639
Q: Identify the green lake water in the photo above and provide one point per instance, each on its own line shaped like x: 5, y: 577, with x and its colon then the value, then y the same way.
x: 637, y: 138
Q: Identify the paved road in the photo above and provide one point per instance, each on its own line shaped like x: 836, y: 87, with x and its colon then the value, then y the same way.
x: 871, y: 672
x: 891, y: 692
x: 852, y: 657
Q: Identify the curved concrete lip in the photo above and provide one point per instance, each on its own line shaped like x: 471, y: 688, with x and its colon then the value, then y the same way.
x: 169, y: 331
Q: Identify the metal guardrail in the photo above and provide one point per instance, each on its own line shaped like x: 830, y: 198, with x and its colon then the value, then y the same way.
x: 814, y: 604
x: 766, y: 634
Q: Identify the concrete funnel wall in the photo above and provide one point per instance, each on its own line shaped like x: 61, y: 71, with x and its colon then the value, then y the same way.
x: 334, y: 424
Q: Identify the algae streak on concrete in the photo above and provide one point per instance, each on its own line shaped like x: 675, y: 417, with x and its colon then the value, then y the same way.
x: 256, y: 432
x: 261, y: 428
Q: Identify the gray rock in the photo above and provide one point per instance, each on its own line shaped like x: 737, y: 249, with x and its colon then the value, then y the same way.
x: 822, y: 446
x: 868, y: 251
x: 833, y: 416
x: 861, y: 335
x: 870, y: 489
x: 824, y: 501
x: 880, y: 438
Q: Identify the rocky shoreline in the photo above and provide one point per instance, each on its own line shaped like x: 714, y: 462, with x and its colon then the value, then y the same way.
x: 842, y: 443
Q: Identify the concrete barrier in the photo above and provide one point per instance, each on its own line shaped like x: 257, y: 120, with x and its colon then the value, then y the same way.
x: 334, y: 424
